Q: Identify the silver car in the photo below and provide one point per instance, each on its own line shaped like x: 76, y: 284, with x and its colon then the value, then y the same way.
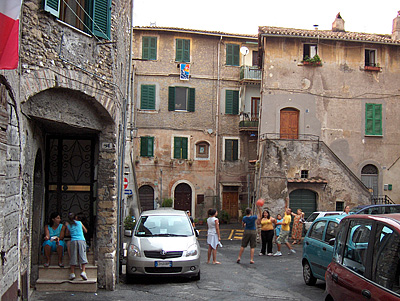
x: 163, y: 243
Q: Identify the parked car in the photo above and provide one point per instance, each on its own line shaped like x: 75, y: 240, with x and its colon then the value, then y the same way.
x: 317, y: 252
x: 163, y: 243
x: 313, y: 216
x: 366, y: 261
x: 376, y: 209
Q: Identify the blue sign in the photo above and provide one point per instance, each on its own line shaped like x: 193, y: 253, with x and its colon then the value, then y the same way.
x: 184, y: 71
x: 128, y: 191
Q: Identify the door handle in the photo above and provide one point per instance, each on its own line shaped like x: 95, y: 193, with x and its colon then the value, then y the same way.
x: 324, y: 248
x: 307, y: 243
x: 366, y: 294
x: 335, y: 277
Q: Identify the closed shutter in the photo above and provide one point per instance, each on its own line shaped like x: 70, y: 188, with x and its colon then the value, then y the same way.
x: 231, y: 102
x: 191, y: 101
x: 235, y: 150
x: 182, y: 50
x: 147, y: 97
x: 180, y: 147
x: 232, y: 55
x: 146, y: 146
x: 102, y: 18
x: 235, y: 103
x: 231, y: 149
x: 171, y: 99
x: 149, y: 48
x: 373, y: 119
x: 184, y: 148
x: 53, y: 7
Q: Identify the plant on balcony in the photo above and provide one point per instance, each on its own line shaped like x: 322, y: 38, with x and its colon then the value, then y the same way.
x: 314, y: 61
x: 372, y: 68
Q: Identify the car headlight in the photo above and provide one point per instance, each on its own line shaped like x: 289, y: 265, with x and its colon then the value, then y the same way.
x: 192, y: 250
x: 134, y: 251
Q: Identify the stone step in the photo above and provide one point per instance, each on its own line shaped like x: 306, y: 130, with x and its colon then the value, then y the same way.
x: 55, y: 272
x: 76, y: 285
x: 54, y: 258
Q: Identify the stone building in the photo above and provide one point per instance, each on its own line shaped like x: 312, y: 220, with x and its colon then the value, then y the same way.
x: 195, y: 128
x: 61, y: 113
x: 329, y: 117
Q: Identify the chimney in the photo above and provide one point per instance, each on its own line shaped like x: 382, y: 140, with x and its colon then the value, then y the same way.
x: 338, y: 24
x: 396, y: 27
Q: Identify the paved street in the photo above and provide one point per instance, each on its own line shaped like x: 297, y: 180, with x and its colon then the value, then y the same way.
x: 270, y: 278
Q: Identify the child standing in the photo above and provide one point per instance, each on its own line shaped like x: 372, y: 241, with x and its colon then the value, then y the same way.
x: 78, y: 245
x: 278, y: 224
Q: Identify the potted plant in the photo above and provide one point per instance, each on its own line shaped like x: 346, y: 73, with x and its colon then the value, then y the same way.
x: 167, y: 202
x: 314, y: 61
x: 129, y: 225
x: 373, y: 68
x: 224, y: 217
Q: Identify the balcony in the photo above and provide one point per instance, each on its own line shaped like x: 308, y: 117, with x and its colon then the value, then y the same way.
x: 250, y: 73
x: 248, y: 123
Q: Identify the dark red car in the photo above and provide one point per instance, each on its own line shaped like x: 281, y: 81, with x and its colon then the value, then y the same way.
x: 366, y: 259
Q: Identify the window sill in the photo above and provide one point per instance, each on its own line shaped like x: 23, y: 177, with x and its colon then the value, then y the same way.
x: 372, y: 68
x: 372, y: 136
x: 147, y: 111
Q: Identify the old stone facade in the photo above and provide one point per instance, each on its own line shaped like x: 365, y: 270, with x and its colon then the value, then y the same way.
x: 188, y: 143
x: 329, y: 99
x: 60, y: 115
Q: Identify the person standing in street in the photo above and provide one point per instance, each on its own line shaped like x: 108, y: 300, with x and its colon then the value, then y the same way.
x: 213, y: 235
x: 267, y: 232
x: 250, y: 233
x: 284, y: 234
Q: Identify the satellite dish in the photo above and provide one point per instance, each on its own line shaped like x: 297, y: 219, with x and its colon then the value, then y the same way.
x: 244, y: 50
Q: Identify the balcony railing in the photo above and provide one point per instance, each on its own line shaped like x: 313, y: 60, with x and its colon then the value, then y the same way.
x: 250, y: 73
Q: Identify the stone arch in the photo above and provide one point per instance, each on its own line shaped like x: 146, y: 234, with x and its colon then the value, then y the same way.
x: 193, y: 207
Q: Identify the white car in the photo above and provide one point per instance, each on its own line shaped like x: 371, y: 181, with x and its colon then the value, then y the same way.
x: 313, y: 216
x: 163, y: 243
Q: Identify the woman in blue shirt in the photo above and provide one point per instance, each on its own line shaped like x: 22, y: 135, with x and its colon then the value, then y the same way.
x: 250, y: 233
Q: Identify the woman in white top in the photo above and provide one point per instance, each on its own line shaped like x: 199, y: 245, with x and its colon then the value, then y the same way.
x: 213, y: 235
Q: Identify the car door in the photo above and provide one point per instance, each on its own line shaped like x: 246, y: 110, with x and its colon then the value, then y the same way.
x: 327, y: 250
x: 314, y: 248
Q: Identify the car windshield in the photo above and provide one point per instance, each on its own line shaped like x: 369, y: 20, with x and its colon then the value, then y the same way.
x: 163, y: 225
x: 312, y: 217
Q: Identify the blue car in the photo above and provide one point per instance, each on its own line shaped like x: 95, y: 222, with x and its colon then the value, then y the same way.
x: 317, y: 251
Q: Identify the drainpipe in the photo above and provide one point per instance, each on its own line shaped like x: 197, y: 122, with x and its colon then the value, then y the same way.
x: 217, y: 121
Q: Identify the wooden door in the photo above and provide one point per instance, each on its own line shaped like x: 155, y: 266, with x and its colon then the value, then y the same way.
x: 183, y: 197
x: 146, y: 197
x: 230, y: 203
x: 289, y: 120
x: 255, y: 105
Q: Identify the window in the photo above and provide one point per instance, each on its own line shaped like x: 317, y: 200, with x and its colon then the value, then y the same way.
x: 309, y: 51
x: 232, y: 102
x: 148, y: 97
x: 149, y: 48
x: 255, y: 58
x: 180, y: 148
x: 181, y: 99
x: 339, y: 206
x: 231, y: 149
x: 202, y: 150
x: 370, y: 57
x: 92, y: 17
x: 232, y: 54
x: 146, y: 146
x: 317, y: 230
x: 182, y: 50
x: 373, y: 119
x: 330, y: 231
x: 304, y: 174
x: 200, y: 199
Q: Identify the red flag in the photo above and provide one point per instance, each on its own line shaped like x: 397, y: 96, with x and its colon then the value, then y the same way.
x: 9, y: 30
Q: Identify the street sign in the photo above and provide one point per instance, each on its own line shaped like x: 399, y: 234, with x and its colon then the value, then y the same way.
x: 125, y: 183
x: 128, y: 191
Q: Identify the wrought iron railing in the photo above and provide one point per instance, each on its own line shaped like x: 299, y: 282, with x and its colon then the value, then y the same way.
x: 250, y: 72
x: 381, y: 199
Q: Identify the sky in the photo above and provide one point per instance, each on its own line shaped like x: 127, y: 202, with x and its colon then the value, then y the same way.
x: 233, y: 16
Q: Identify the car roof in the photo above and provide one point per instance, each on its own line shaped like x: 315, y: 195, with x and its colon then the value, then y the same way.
x: 339, y: 212
x: 392, y: 218
x: 335, y: 218
x: 376, y: 205
x: 163, y: 211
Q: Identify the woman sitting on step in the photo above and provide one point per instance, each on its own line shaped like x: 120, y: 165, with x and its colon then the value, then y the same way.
x: 54, y: 239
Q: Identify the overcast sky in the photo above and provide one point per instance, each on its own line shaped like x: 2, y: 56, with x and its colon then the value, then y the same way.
x: 233, y: 16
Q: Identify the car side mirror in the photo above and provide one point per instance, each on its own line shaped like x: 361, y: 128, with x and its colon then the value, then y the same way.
x: 196, y: 232
x: 128, y: 233
x: 331, y: 241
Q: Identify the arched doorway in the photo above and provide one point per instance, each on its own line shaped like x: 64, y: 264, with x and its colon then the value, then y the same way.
x: 369, y: 176
x: 304, y: 199
x: 146, y: 197
x: 183, y: 197
x: 289, y: 123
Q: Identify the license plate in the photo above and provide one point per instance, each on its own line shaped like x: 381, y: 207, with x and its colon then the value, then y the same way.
x: 163, y: 264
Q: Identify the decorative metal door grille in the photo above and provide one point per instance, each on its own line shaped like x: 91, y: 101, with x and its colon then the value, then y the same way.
x: 70, y: 178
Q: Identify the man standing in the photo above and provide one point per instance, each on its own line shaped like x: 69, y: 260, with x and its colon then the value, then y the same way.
x: 284, y: 234
x: 250, y: 234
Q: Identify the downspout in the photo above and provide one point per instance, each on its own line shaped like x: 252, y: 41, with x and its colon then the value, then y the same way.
x: 217, y: 121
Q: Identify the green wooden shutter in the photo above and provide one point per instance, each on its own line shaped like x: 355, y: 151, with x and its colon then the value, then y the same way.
x: 150, y: 146
x: 228, y: 150
x: 147, y: 97
x: 53, y: 7
x: 235, y: 150
x: 228, y: 102
x: 229, y: 54
x: 235, y: 102
x: 186, y: 51
x: 146, y: 146
x: 235, y: 51
x: 177, y: 147
x: 182, y: 50
x: 184, y: 148
x: 171, y: 98
x: 149, y: 48
x: 191, y: 101
x: 373, y: 119
x: 102, y: 18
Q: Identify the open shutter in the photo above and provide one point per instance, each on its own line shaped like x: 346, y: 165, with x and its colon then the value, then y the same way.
x: 102, y: 18
x: 53, y: 7
x: 191, y: 102
x: 171, y: 98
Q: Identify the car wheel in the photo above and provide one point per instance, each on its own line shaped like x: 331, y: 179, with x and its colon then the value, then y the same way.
x: 197, y: 277
x: 308, y: 277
